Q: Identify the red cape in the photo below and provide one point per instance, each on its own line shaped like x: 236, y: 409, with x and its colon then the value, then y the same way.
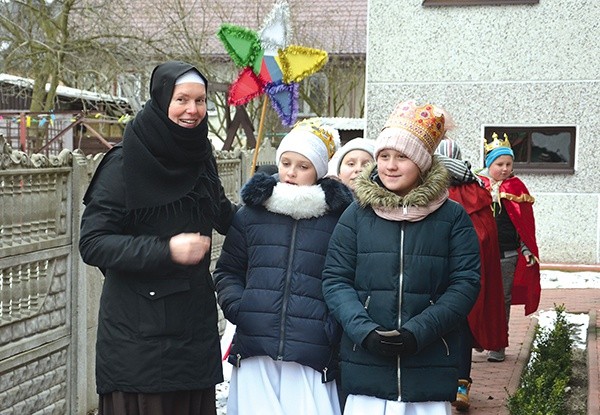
x: 519, y: 206
x: 487, y: 318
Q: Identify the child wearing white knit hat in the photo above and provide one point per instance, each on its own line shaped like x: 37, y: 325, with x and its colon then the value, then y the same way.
x: 350, y: 159
x: 268, y: 282
x: 314, y: 141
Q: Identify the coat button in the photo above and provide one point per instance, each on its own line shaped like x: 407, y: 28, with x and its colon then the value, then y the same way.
x: 152, y: 293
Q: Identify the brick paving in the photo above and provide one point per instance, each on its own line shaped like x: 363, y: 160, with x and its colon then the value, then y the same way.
x: 493, y: 382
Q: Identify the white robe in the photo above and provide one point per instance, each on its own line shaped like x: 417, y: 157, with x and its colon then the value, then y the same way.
x: 361, y: 405
x: 264, y: 386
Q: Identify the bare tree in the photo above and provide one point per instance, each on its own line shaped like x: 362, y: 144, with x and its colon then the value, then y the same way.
x: 110, y: 46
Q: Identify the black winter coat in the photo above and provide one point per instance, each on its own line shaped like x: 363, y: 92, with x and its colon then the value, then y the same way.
x: 157, y: 325
x: 268, y: 277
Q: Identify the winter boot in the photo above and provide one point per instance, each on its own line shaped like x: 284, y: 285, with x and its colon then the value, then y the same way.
x: 462, y: 395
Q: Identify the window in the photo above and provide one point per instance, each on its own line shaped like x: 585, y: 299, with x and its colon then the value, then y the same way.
x: 475, y: 2
x: 539, y: 149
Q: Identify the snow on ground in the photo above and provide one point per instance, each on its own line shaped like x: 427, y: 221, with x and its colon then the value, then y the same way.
x: 560, y: 279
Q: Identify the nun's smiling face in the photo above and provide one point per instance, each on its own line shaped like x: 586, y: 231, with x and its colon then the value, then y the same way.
x: 188, y: 104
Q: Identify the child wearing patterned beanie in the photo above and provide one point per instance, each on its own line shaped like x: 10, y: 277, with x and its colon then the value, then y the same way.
x: 485, y: 326
x: 268, y: 282
x: 512, y: 206
x: 401, y: 273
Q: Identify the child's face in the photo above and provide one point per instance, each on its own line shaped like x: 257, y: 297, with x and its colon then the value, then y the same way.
x: 296, y: 169
x: 501, y: 168
x: 352, y: 164
x: 398, y: 173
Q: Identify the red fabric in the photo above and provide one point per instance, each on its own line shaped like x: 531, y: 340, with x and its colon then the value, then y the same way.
x: 526, y: 289
x: 487, y: 319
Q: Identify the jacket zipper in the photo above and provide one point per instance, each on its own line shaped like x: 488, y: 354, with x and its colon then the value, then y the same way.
x: 447, y: 347
x: 442, y: 337
x: 400, y: 283
x: 286, y: 293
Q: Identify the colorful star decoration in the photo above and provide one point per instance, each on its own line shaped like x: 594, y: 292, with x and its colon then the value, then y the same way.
x: 269, y: 65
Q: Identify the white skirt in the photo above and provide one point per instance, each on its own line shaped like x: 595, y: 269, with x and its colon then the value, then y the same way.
x: 263, y: 386
x: 361, y: 404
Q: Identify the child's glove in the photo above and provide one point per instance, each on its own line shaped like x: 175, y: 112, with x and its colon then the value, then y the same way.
x: 390, y: 343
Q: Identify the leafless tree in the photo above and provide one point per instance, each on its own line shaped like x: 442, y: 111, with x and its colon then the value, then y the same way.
x: 110, y: 46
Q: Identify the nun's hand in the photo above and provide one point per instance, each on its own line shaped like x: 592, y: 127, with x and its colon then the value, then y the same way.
x: 188, y: 248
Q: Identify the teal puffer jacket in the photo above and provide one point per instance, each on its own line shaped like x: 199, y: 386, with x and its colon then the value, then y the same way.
x: 422, y: 276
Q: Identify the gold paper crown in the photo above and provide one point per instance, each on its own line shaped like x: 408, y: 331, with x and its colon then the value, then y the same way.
x: 327, y: 134
x: 496, y: 143
x: 420, y: 120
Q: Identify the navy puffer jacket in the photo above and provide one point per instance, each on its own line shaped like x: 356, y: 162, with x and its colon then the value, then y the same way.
x: 421, y: 276
x: 268, y: 277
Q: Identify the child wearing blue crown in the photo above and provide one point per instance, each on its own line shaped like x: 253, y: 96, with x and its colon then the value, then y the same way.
x: 512, y: 206
x: 268, y: 281
x: 401, y: 274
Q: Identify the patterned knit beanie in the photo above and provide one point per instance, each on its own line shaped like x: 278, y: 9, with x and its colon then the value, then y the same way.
x: 414, y: 130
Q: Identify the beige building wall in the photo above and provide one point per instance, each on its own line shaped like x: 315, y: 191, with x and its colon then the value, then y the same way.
x: 527, y: 65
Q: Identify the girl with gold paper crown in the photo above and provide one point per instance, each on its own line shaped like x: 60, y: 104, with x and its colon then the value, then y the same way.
x: 513, y: 209
x: 268, y: 281
x: 402, y: 271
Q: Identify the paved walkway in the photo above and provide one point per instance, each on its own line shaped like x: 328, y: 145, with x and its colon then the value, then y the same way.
x: 492, y: 382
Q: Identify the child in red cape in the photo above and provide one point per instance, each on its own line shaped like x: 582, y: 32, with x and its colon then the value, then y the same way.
x: 512, y: 206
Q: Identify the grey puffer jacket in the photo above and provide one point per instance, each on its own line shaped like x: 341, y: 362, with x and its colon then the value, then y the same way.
x: 268, y: 277
x: 421, y: 276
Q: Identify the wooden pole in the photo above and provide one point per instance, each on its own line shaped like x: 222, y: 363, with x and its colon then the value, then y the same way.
x: 261, y: 126
x: 23, y: 132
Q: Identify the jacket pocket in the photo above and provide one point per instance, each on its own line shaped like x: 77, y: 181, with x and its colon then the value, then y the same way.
x: 163, y: 306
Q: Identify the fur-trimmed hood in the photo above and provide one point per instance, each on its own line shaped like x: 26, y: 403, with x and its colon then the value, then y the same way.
x: 369, y: 190
x: 300, y: 202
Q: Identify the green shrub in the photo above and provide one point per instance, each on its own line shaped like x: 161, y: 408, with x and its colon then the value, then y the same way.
x: 544, y: 384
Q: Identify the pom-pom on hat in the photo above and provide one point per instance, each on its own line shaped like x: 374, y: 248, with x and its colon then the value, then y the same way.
x: 497, y: 148
x: 314, y: 140
x: 414, y: 130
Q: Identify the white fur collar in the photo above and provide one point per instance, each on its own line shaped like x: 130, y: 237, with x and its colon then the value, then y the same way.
x: 299, y: 202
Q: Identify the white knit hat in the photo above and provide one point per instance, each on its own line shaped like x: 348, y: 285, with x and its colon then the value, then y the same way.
x: 358, y: 143
x: 316, y: 142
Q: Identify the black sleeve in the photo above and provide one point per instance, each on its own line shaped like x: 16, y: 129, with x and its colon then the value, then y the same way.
x: 103, y: 241
x: 226, y: 212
